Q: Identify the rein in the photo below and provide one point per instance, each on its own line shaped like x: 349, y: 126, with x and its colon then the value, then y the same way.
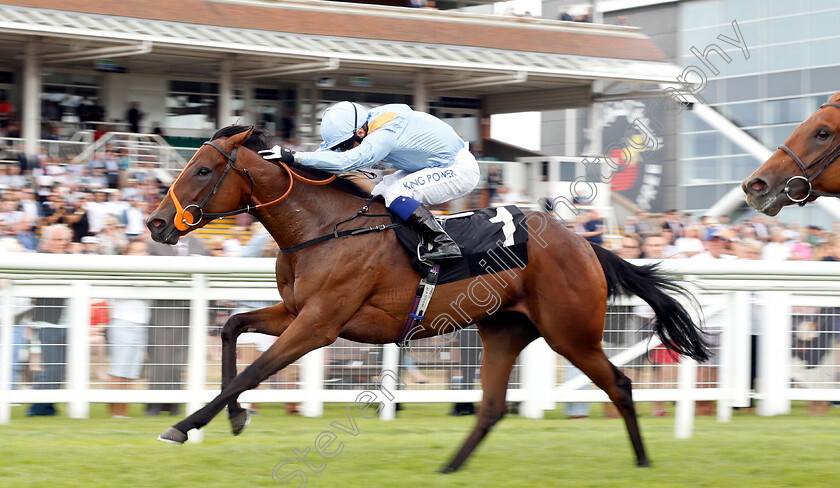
x: 184, y: 218
x: 821, y: 163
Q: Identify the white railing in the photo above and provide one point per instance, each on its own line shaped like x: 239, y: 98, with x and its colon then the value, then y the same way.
x: 729, y: 292
x: 142, y: 148
x: 63, y: 150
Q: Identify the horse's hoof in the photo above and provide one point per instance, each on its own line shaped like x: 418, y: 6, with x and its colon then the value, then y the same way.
x: 448, y: 469
x: 643, y: 463
x: 240, y: 421
x: 173, y: 436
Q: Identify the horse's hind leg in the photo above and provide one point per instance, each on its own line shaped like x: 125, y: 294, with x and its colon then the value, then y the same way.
x: 504, y: 336
x: 272, y: 321
x: 594, y: 364
x: 573, y: 325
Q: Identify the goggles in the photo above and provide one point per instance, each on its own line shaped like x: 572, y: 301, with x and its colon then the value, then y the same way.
x: 348, y: 144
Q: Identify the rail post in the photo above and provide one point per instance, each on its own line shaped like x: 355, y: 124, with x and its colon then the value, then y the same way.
x: 537, y: 378
x: 390, y: 362
x: 6, y: 351
x: 78, y: 351
x: 742, y: 303
x: 687, y: 382
x: 735, y: 355
x: 312, y: 375
x: 197, y: 351
x: 774, y: 354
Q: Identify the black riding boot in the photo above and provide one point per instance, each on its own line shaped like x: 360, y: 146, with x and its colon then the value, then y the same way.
x: 430, y: 231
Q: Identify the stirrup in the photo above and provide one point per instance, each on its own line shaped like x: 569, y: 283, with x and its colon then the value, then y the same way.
x: 420, y: 258
x: 431, y: 262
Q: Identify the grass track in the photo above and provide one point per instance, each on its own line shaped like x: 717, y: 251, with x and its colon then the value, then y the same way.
x: 750, y: 451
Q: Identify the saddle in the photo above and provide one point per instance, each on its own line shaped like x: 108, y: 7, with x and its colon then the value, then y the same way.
x: 491, y: 240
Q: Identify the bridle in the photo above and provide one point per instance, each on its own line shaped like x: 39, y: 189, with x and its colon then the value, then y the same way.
x: 184, y: 218
x: 821, y: 164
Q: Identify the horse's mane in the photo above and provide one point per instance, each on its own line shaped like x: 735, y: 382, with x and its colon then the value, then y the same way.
x: 258, y: 140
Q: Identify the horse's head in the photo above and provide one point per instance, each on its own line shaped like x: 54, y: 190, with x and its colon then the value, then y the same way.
x: 209, y: 185
x: 800, y: 170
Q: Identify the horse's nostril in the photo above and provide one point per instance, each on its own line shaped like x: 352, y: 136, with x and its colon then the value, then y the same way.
x: 157, y: 223
x: 757, y: 185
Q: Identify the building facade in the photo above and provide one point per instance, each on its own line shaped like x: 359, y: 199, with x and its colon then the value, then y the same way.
x: 782, y: 73
x: 203, y: 64
x: 788, y: 74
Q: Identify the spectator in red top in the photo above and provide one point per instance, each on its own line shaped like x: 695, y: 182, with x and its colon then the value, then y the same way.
x: 7, y: 110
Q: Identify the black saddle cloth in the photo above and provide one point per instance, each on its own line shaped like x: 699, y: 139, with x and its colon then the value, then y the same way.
x: 491, y: 240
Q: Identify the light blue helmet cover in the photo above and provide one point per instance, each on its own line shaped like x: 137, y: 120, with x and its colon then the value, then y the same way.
x: 340, y: 122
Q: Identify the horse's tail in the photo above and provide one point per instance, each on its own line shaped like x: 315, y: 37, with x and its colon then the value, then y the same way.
x: 673, y: 323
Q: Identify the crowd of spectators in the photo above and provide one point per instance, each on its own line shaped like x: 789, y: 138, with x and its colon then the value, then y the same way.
x: 684, y: 236
x: 104, y: 202
x: 566, y: 14
x: 104, y: 199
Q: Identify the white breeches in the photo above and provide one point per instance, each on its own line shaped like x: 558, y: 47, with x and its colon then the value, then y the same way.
x: 432, y: 186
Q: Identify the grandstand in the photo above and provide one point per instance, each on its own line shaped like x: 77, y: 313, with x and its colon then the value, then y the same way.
x: 279, y: 64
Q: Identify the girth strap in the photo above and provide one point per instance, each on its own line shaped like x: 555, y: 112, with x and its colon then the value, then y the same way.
x: 425, y: 290
x: 351, y: 232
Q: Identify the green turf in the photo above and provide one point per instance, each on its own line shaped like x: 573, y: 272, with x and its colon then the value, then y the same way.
x: 750, y: 451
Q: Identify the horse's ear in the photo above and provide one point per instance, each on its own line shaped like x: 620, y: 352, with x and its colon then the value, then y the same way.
x: 237, y: 140
x: 835, y: 98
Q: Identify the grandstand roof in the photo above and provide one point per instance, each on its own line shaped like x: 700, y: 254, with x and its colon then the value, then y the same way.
x: 510, y: 60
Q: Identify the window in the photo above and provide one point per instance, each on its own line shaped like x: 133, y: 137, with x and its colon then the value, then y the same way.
x: 701, y: 14
x: 822, y: 24
x: 593, y: 173
x: 780, y: 134
x: 702, y: 196
x: 784, y: 84
x: 699, y: 171
x: 567, y: 171
x: 789, y: 56
x: 824, y: 79
x: 465, y: 124
x: 787, y: 111
x: 740, y: 167
x: 191, y: 111
x: 743, y: 10
x: 700, y: 145
x: 786, y: 29
x: 741, y: 114
x: 68, y: 91
x: 745, y: 87
x: 693, y: 123
x: 192, y: 105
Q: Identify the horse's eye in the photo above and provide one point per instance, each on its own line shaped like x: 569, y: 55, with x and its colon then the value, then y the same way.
x: 822, y: 134
x: 204, y: 171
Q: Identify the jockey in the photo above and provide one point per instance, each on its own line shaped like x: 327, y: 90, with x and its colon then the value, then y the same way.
x: 434, y: 165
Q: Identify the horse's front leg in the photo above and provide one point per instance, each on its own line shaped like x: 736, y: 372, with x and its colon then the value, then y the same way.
x: 308, y: 331
x: 272, y: 321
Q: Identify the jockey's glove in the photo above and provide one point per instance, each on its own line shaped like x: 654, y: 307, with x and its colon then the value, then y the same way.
x: 284, y: 154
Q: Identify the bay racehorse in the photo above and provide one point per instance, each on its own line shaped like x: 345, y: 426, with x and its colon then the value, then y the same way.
x: 361, y: 287
x: 801, y: 169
